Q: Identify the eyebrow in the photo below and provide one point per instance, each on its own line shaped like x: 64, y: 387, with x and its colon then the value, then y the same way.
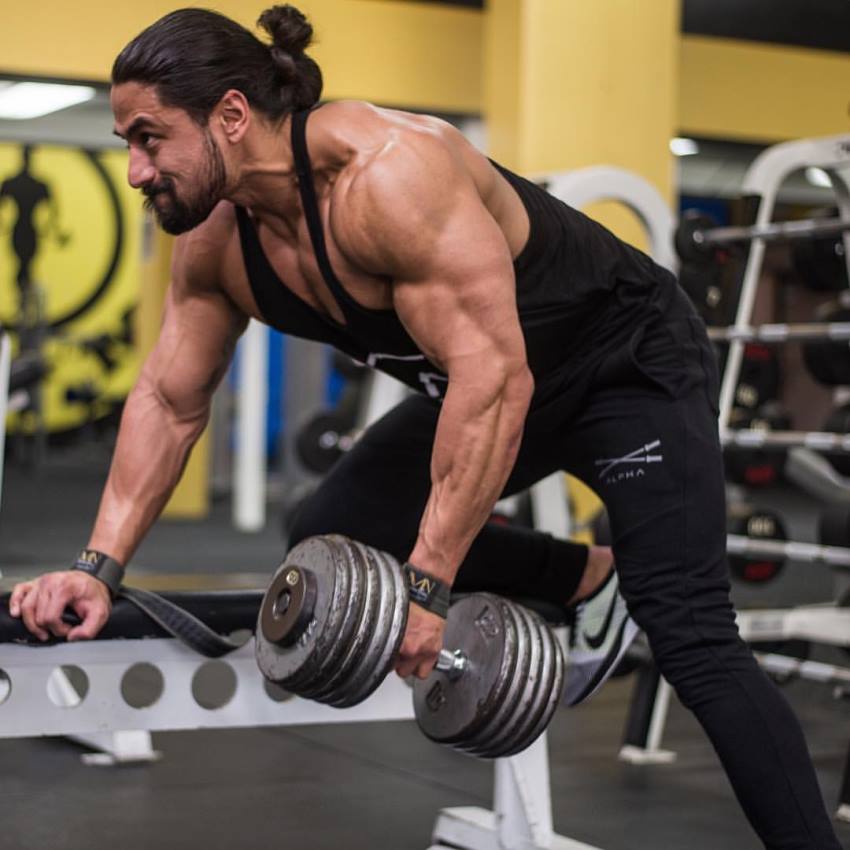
x: 137, y: 125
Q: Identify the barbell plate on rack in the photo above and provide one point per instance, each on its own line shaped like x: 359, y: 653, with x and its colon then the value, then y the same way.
x: 689, y: 248
x: 358, y: 618
x: 283, y: 665
x: 756, y: 525
x: 483, y: 628
x: 553, y: 696
x: 492, y: 718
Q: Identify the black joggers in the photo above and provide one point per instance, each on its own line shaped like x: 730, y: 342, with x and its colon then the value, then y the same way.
x: 645, y: 439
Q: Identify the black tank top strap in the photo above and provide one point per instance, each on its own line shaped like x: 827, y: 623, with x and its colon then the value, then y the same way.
x: 279, y: 306
x: 272, y: 298
x: 304, y: 171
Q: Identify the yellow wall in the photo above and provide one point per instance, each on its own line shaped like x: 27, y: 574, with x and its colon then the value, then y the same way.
x: 571, y: 84
x: 418, y: 55
x: 428, y: 56
x: 761, y: 92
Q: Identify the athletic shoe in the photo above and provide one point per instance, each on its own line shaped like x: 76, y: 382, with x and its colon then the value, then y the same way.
x: 602, y: 633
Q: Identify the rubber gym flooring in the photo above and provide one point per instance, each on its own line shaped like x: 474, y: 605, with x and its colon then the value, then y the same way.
x: 373, y: 785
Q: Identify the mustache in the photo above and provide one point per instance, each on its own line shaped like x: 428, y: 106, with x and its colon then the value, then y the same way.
x: 165, y: 186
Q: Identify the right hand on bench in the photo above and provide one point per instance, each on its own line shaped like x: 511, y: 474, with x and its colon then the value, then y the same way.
x: 41, y: 604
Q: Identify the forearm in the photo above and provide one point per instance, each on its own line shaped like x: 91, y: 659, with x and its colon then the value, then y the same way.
x: 475, y: 447
x: 150, y: 455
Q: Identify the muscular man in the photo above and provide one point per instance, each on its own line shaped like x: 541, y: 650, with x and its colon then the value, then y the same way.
x: 537, y: 340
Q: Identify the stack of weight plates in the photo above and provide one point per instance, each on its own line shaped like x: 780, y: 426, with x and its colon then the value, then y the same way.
x: 332, y: 621
x: 507, y: 695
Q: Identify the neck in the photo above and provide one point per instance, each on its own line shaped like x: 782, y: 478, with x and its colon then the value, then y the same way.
x: 264, y: 176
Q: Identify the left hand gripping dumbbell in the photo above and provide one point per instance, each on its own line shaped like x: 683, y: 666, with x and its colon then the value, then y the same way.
x: 332, y: 622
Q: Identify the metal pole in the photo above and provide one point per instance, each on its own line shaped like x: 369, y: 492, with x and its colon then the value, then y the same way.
x: 249, y: 480
x: 836, y: 556
x: 780, y: 231
x: 753, y: 438
x: 838, y: 331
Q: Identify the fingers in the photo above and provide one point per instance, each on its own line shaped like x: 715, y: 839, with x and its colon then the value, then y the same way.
x: 28, y: 614
x: 48, y: 610
x: 421, y: 645
x: 415, y: 667
x: 17, y: 596
x: 42, y: 602
x: 94, y: 619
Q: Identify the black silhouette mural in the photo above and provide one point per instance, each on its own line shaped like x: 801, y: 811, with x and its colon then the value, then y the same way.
x: 27, y: 193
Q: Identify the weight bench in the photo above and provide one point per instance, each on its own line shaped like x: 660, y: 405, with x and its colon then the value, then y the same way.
x: 75, y: 690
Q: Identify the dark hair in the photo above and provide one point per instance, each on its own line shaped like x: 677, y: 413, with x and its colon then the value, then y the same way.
x: 193, y: 56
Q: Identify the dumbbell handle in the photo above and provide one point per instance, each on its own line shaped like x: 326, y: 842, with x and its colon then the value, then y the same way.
x: 453, y: 664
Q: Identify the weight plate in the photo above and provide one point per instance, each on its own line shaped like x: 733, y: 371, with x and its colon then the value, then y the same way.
x: 757, y: 525
x: 319, y: 443
x: 538, y: 683
x: 282, y: 664
x: 351, y: 636
x: 527, y: 733
x: 554, y: 697
x: 373, y: 633
x: 394, y: 610
x: 480, y: 626
x: 493, y: 713
x: 528, y: 676
x: 308, y: 677
x: 496, y: 712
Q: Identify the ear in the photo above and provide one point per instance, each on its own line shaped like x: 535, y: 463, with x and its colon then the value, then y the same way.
x: 232, y: 114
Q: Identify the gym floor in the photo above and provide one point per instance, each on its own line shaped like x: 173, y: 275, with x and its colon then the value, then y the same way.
x: 375, y: 785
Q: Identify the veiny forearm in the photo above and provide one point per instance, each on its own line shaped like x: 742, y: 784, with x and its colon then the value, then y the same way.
x: 150, y: 455
x: 475, y: 448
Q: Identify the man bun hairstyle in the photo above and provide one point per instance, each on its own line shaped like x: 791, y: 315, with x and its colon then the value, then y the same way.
x: 291, y: 34
x: 193, y: 56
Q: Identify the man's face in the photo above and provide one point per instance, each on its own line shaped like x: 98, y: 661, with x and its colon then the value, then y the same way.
x: 175, y: 162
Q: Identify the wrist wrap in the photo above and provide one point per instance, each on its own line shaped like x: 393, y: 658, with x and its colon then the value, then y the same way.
x: 101, y: 567
x: 426, y: 591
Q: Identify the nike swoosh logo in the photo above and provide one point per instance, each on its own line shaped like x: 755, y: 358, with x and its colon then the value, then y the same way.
x: 595, y: 641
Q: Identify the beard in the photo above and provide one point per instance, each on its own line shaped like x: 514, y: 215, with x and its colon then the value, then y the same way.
x: 179, y: 215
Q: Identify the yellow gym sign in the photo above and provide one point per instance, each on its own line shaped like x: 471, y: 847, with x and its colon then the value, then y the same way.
x: 69, y: 274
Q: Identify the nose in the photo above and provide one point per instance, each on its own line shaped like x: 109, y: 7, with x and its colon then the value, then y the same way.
x: 140, y: 170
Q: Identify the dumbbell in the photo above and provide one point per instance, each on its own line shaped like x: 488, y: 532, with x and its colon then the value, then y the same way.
x: 323, y: 439
x: 756, y: 524
x: 333, y: 619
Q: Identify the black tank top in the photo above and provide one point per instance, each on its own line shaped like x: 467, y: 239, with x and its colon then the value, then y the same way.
x: 581, y: 293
